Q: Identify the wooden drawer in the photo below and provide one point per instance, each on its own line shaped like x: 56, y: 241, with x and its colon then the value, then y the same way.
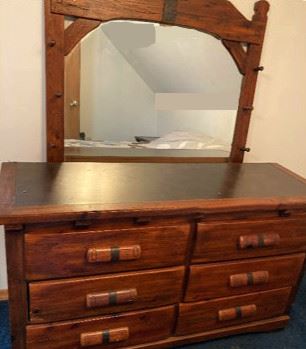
x: 224, y: 312
x: 228, y: 279
x: 90, y: 296
x: 83, y: 253
x: 103, y: 332
x: 245, y: 239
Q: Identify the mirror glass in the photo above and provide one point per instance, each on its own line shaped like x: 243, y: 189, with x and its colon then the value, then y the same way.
x: 136, y: 89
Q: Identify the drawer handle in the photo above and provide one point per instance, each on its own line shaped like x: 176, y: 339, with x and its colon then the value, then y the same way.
x: 249, y: 279
x: 259, y: 241
x: 113, y: 254
x: 104, y: 337
x: 237, y: 313
x: 111, y: 298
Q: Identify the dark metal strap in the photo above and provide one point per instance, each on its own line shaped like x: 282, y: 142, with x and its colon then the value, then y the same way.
x: 169, y: 14
x: 112, y: 298
x: 115, y: 254
x: 250, y: 279
x: 105, y: 337
x: 238, y: 312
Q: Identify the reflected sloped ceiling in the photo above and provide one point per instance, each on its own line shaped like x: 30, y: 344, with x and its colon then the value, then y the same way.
x: 176, y: 60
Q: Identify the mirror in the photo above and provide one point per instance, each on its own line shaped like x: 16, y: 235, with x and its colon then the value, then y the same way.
x: 139, y: 89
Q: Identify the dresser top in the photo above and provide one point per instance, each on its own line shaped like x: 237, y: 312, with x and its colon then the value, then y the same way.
x: 34, y: 191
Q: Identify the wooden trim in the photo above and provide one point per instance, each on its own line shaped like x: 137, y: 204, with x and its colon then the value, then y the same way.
x: 3, y: 295
x: 76, y: 32
x: 248, y: 87
x: 251, y: 327
x: 7, y: 184
x: 55, y: 67
x: 203, y: 15
x: 238, y: 54
x: 72, y: 212
x: 17, y: 288
x: 144, y: 159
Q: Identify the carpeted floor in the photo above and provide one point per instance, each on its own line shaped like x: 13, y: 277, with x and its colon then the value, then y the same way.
x: 293, y: 337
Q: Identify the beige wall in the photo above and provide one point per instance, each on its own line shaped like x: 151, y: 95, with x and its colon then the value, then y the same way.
x: 278, y: 129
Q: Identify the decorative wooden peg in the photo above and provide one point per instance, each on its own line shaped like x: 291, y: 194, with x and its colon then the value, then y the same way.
x: 52, y: 43
x: 248, y: 108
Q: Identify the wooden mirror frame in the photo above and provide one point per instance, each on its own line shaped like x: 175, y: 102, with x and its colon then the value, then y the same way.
x: 219, y: 18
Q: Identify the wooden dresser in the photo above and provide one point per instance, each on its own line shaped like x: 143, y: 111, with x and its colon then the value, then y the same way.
x: 149, y: 255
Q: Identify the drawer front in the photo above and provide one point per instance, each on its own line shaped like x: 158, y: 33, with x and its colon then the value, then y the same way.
x: 90, y: 296
x: 224, y: 312
x: 83, y: 253
x: 228, y: 279
x: 235, y: 240
x: 104, y: 332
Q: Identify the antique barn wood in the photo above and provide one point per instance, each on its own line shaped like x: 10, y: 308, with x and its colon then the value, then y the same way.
x: 248, y: 87
x: 76, y: 31
x: 55, y: 69
x: 217, y: 17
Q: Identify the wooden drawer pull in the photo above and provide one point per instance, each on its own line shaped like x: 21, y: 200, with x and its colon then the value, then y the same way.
x: 104, y: 337
x: 259, y: 241
x: 249, y: 279
x: 111, y: 298
x: 113, y: 254
x: 237, y: 313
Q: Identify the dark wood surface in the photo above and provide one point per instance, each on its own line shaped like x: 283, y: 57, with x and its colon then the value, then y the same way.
x: 203, y: 316
x: 219, y: 18
x: 211, y: 238
x: 67, y: 298
x: 160, y: 247
x: 69, y: 189
x: 83, y: 154
x: 208, y: 281
x: 144, y: 326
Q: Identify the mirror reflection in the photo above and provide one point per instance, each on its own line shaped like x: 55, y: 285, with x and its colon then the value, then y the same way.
x: 143, y: 89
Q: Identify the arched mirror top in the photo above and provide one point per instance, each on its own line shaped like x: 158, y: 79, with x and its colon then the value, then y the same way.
x: 242, y: 37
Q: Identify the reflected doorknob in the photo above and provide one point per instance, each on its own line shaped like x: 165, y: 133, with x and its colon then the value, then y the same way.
x: 74, y: 103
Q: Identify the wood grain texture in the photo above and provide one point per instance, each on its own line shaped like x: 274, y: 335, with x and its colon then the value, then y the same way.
x: 204, y: 316
x: 217, y: 17
x: 205, y: 15
x: 17, y: 287
x: 213, y: 238
x: 66, y: 299
x: 208, y: 281
x: 238, y: 54
x: 162, y: 246
x: 77, y: 31
x: 47, y: 192
x: 252, y: 327
x: 144, y: 326
x: 248, y: 87
x: 55, y: 69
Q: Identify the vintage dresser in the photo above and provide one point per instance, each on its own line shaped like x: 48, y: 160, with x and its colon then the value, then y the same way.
x: 149, y: 255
